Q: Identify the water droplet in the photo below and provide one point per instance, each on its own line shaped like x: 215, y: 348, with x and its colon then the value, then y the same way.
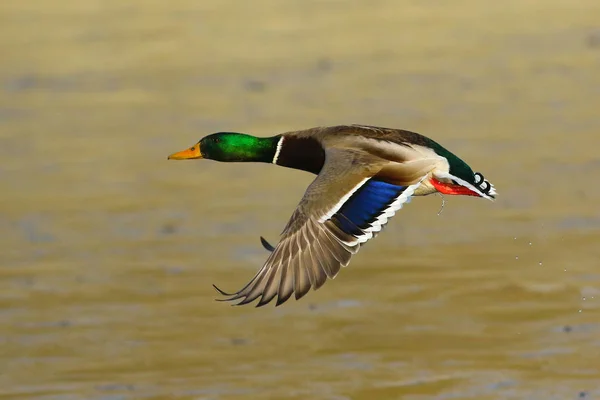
x: 516, y: 257
x: 583, y: 298
x: 579, y: 310
x: 530, y: 243
x: 565, y: 270
x: 515, y: 238
x: 540, y: 263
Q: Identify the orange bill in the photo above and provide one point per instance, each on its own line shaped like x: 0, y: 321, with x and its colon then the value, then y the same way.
x: 187, y: 154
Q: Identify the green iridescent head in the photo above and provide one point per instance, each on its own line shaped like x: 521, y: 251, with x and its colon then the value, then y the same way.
x: 231, y: 147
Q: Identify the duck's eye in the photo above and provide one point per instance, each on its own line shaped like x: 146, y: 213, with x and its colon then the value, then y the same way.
x: 216, y: 140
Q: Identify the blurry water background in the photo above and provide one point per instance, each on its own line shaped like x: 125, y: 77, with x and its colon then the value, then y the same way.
x: 108, y: 251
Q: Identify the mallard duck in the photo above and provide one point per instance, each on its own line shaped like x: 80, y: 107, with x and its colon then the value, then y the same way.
x: 364, y: 175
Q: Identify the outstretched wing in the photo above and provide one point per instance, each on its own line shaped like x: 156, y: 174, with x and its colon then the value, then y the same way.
x: 345, y: 206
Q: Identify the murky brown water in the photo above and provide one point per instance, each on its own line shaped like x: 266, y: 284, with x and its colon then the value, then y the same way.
x: 108, y: 251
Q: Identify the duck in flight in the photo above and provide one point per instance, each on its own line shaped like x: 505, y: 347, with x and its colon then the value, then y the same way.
x: 364, y: 175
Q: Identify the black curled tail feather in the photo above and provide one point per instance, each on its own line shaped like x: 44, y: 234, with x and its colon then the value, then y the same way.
x: 266, y: 244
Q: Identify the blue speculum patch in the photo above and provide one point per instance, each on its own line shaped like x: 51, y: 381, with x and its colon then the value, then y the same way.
x: 365, y: 205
